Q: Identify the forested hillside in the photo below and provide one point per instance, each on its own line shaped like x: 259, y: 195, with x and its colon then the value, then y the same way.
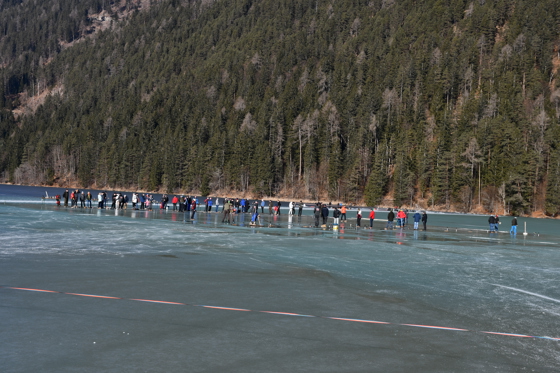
x: 449, y: 104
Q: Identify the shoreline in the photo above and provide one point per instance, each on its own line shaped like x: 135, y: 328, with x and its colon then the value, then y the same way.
x: 235, y: 195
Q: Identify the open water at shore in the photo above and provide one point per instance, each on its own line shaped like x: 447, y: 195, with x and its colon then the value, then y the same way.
x: 174, y: 294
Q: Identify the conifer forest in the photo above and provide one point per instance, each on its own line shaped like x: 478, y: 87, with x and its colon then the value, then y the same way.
x: 444, y: 104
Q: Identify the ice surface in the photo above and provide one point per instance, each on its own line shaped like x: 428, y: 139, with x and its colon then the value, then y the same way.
x: 454, y: 275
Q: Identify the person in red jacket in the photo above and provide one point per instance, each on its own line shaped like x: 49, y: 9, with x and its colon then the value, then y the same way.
x: 193, y: 208
x: 174, y: 201
x: 371, y: 218
x: 400, y: 219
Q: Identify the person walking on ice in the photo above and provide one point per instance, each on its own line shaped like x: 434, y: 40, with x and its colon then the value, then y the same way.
x: 513, y: 229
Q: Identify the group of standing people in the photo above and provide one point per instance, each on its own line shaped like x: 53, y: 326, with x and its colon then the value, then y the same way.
x: 402, y: 219
x: 494, y: 224
x: 321, y: 213
x: 74, y: 197
x: 231, y: 207
x: 118, y: 200
x: 186, y: 204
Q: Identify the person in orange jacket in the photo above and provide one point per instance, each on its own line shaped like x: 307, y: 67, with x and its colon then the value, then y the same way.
x: 343, y: 213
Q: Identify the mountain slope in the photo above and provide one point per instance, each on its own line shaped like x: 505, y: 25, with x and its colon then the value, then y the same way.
x: 449, y: 103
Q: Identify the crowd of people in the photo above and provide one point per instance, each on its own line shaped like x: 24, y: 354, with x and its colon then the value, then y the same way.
x: 233, y: 206
x: 118, y: 200
x: 321, y: 212
x: 230, y: 207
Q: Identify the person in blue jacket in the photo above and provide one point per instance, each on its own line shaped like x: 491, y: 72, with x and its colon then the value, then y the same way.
x: 417, y: 217
x: 255, y: 217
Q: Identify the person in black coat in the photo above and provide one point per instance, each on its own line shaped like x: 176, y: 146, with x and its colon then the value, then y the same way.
x: 390, y: 219
x: 82, y: 200
x: 336, y: 215
x: 66, y: 195
x: 513, y: 229
x: 317, y: 214
x: 492, y: 223
x: 325, y: 214
x: 424, y: 219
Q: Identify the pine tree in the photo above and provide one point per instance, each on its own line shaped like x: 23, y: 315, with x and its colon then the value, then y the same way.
x: 377, y: 183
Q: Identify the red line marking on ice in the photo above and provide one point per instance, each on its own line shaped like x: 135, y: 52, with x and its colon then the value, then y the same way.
x: 156, y: 301
x: 435, y: 327
x: 40, y: 290
x: 359, y: 320
x: 93, y: 296
x: 283, y: 313
x: 226, y: 308
x: 286, y: 313
x: 512, y: 335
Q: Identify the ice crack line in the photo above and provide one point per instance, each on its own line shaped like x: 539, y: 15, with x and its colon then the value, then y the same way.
x: 287, y: 313
x: 528, y: 292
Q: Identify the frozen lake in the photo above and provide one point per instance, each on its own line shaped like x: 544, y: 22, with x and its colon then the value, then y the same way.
x: 177, y: 295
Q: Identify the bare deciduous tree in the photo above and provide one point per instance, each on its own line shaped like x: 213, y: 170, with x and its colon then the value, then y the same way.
x: 473, y: 155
